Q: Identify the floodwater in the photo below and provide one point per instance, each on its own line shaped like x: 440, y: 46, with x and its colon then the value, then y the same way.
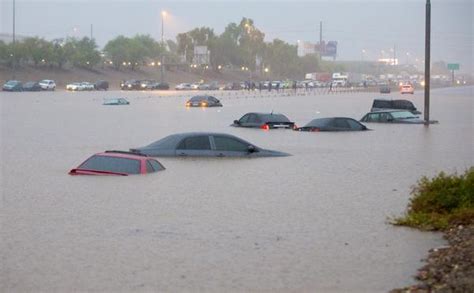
x: 315, y: 221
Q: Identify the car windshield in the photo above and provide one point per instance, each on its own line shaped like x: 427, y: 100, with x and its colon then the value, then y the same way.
x: 12, y: 82
x: 112, y: 164
x: 274, y: 118
x: 403, y: 115
x: 166, y: 143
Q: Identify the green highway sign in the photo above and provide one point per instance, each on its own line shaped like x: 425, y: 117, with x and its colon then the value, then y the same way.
x: 453, y: 66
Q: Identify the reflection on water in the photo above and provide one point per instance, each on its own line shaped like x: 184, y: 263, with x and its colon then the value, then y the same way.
x: 313, y: 221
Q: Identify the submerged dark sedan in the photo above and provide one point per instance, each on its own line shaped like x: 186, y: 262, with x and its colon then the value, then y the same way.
x: 264, y: 121
x: 203, y: 101
x: 205, y: 144
x: 333, y: 124
x: 393, y: 116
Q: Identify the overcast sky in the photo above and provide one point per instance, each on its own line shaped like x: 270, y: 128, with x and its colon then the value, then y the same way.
x: 375, y: 26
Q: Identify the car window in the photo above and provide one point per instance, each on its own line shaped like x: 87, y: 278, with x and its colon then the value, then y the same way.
x: 340, y: 123
x: 382, y: 104
x: 156, y: 166
x: 195, y: 143
x: 112, y: 164
x: 253, y: 118
x: 224, y: 143
x: 275, y: 118
x: 354, y: 124
x: 149, y: 167
x: 384, y: 117
x: 403, y: 115
x: 244, y: 118
x: 374, y: 117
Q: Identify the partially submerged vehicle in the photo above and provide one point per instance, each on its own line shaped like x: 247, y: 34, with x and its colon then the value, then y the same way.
x: 394, y: 116
x: 264, y: 121
x: 117, y: 163
x: 204, y: 144
x: 333, y: 124
x: 116, y: 102
x: 383, y: 104
x: 203, y: 101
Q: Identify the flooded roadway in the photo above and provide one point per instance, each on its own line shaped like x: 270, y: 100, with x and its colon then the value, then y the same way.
x: 315, y: 221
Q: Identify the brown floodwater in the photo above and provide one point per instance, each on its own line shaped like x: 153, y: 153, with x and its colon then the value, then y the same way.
x: 314, y: 221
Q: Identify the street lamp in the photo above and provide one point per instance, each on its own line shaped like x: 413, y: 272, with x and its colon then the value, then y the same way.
x: 163, y: 15
x: 14, y: 43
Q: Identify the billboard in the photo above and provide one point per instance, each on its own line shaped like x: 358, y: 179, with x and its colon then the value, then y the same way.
x: 329, y: 49
x: 201, y: 55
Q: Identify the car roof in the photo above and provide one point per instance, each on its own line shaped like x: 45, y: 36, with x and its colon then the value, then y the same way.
x: 122, y: 154
x: 389, y: 111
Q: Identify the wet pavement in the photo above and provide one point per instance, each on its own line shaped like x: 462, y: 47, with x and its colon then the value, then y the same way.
x: 314, y: 221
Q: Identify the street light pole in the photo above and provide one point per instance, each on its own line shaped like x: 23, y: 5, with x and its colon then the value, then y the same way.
x: 427, y: 61
x: 14, y: 43
x: 163, y: 14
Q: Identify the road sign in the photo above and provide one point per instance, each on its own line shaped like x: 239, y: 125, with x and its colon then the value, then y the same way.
x: 453, y: 66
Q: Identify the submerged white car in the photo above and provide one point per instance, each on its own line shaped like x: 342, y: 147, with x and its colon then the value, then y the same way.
x: 76, y: 86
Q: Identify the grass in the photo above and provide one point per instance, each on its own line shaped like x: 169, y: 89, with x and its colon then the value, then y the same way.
x: 441, y: 202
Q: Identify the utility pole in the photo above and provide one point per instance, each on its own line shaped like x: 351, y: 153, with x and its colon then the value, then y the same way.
x: 162, y: 65
x: 92, y: 30
x: 427, y: 61
x: 14, y: 44
x: 394, y: 55
x: 320, y: 39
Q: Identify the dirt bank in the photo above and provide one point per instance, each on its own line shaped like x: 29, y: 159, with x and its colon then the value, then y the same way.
x: 448, y: 269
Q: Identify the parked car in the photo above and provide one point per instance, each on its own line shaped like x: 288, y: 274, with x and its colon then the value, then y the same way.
x: 333, y: 124
x: 383, y: 104
x: 183, y: 86
x: 264, y: 121
x: 204, y: 144
x: 407, y: 89
x: 116, y: 102
x: 203, y: 101
x: 144, y: 84
x: 32, y: 86
x: 48, y: 85
x: 13, y: 86
x: 195, y: 85
x: 117, y: 163
x: 158, y: 86
x: 232, y: 86
x: 130, y: 85
x: 87, y: 86
x: 393, y: 116
x: 208, y: 86
x: 384, y: 88
x: 76, y: 86
x: 101, y: 85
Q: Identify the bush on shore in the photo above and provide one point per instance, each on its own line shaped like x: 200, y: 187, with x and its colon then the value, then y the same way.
x: 440, y: 202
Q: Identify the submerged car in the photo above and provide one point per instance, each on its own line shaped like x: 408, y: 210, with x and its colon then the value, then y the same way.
x: 183, y: 86
x: 204, y: 144
x: 116, y: 102
x: 13, y: 86
x: 264, y: 121
x: 31, y: 86
x: 130, y: 85
x: 393, y: 116
x: 203, y: 101
x: 333, y: 124
x: 382, y: 104
x: 117, y: 163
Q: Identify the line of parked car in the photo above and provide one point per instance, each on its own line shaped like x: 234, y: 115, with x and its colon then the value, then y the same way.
x: 88, y: 86
x: 30, y: 86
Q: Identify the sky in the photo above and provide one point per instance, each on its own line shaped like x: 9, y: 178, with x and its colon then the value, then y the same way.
x: 364, y: 30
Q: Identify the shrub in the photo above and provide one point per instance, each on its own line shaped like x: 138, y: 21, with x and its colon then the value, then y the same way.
x: 440, y: 202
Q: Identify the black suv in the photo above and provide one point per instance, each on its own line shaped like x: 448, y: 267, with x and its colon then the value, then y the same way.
x: 382, y: 104
x: 101, y: 85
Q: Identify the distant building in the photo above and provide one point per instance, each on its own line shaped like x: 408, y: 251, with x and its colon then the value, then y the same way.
x: 8, y: 38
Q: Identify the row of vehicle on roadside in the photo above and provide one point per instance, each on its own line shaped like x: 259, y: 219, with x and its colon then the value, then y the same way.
x: 29, y: 86
x: 88, y: 86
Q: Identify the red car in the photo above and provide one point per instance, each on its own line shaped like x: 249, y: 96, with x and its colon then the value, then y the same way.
x: 117, y: 163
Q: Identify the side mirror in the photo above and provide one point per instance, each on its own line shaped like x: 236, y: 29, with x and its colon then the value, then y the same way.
x: 236, y: 122
x: 251, y: 149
